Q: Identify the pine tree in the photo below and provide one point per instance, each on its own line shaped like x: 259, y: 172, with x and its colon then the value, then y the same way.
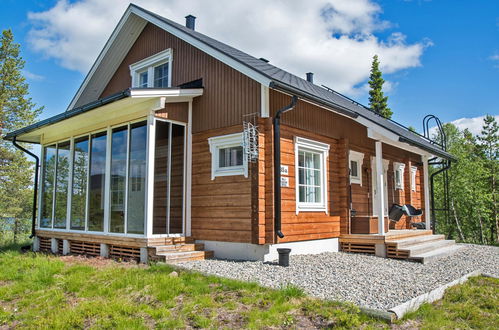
x: 377, y: 101
x: 16, y: 110
x: 489, y: 145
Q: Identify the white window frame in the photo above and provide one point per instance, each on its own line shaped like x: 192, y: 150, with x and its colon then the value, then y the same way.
x: 400, y: 168
x: 226, y: 141
x: 148, y: 64
x: 414, y: 171
x: 316, y: 147
x: 355, y: 156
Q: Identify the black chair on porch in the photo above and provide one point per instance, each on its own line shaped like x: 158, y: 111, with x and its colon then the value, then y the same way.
x: 396, y: 212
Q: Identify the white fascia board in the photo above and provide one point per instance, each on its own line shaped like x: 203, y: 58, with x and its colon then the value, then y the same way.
x: 102, y: 54
x: 203, y: 47
x: 379, y: 133
x: 175, y: 92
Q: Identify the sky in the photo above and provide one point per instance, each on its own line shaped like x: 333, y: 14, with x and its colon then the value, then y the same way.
x: 438, y: 57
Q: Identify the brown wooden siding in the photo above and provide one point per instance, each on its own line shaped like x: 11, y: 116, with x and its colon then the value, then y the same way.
x: 304, y: 225
x: 221, y: 208
x: 174, y: 111
x: 228, y: 94
x: 349, y: 135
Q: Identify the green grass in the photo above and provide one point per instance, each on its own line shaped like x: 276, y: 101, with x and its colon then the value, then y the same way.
x: 472, y: 305
x: 42, y: 291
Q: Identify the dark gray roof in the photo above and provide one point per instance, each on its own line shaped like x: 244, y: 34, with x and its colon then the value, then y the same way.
x: 284, y: 80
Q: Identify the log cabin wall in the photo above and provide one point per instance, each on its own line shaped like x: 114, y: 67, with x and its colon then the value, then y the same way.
x: 222, y: 207
x: 349, y: 135
x: 227, y: 96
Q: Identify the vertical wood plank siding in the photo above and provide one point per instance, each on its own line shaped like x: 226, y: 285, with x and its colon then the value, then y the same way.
x: 228, y: 94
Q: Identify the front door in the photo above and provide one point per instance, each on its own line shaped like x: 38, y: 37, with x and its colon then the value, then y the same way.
x: 375, y: 186
x: 169, y: 178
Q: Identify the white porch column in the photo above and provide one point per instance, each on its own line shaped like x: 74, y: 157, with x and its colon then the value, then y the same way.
x: 380, y: 188
x: 426, y: 184
x: 188, y: 177
x: 151, y: 144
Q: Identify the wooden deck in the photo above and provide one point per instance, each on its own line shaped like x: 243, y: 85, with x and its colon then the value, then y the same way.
x: 366, y: 243
x: 416, y: 245
x: 165, y: 249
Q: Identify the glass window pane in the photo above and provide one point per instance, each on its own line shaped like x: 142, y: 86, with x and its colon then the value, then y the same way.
x: 79, y: 194
x: 48, y: 186
x: 143, y: 79
x: 301, y: 158
x: 232, y: 156
x: 61, y: 194
x: 353, y: 169
x: 317, y: 161
x: 97, y: 182
x: 118, y: 179
x: 137, y: 178
x: 301, y: 176
x: 161, y: 75
x: 301, y: 194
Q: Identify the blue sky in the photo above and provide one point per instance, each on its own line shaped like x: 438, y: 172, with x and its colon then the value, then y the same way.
x: 453, y: 76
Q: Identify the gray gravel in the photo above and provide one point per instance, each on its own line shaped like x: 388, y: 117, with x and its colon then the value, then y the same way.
x: 365, y: 280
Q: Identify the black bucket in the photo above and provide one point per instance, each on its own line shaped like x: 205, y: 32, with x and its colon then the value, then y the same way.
x: 284, y: 257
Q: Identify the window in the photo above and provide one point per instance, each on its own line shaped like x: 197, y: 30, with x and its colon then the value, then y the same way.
x: 152, y: 72
x: 136, y: 203
x: 311, y: 185
x: 398, y: 169
x: 61, y: 185
x: 48, y: 182
x: 227, y: 156
x: 119, y: 143
x: 96, y: 203
x: 414, y: 171
x: 79, y: 193
x: 356, y: 159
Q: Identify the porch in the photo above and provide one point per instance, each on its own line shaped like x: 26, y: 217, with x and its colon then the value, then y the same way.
x: 411, y: 244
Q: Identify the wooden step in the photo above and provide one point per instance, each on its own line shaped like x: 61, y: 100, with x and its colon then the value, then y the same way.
x: 394, y: 235
x: 174, y: 257
x: 179, y: 247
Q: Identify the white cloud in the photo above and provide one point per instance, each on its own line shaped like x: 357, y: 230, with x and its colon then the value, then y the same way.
x: 474, y: 125
x: 336, y: 39
x: 32, y: 76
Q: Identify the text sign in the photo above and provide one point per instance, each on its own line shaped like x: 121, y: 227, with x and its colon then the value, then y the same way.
x: 284, y: 182
x: 284, y: 170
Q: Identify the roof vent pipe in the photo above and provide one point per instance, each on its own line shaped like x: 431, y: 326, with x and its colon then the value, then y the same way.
x: 190, y: 22
x: 310, y: 77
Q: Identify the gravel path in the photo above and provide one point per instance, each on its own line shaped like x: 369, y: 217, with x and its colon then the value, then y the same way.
x: 367, y: 281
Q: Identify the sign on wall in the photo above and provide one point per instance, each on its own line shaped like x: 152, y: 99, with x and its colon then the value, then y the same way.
x: 284, y: 181
x: 284, y: 170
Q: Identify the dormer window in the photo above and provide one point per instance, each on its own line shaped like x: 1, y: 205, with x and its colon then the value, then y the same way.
x: 152, y: 72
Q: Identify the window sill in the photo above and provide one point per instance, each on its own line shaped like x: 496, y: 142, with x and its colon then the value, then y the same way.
x: 355, y: 181
x: 303, y: 208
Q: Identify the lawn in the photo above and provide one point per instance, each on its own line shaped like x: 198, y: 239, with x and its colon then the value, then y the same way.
x: 41, y: 291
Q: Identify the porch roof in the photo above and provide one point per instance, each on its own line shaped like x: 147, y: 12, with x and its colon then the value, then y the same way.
x: 123, y: 104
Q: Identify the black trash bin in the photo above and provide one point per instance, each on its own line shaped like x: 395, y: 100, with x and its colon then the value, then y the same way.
x: 284, y: 257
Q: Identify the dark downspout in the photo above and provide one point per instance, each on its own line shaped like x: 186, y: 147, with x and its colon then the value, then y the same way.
x: 35, y: 188
x: 277, y: 165
x: 432, y: 206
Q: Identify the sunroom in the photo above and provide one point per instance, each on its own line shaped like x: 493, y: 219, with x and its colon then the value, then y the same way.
x: 116, y: 168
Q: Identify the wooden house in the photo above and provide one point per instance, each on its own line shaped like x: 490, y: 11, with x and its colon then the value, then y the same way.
x: 177, y: 147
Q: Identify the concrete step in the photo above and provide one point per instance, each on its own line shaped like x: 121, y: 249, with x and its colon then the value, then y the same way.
x: 406, y: 242
x: 427, y: 247
x: 431, y: 256
x: 174, y: 257
x: 179, y: 247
